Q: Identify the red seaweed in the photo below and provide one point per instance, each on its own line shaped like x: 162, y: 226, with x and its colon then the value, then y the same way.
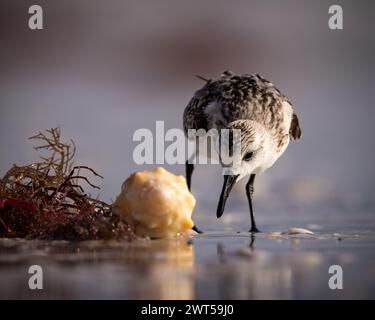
x: 46, y: 200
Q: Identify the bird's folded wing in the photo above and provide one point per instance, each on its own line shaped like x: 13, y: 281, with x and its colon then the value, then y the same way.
x: 295, y: 130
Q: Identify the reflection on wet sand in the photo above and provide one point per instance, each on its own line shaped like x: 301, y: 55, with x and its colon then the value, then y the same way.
x: 167, y: 268
x: 225, y: 265
x: 266, y: 276
x: 143, y: 269
x: 282, y: 267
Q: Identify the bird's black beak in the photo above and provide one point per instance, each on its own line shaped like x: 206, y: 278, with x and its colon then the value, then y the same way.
x: 229, y: 181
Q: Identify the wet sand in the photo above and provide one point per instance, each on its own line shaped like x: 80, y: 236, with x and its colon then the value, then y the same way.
x: 227, y: 264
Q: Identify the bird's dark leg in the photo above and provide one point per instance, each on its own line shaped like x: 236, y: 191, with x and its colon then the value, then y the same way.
x: 249, y: 193
x: 189, y: 171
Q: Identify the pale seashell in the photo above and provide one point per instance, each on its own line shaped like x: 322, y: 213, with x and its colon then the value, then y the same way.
x: 294, y: 231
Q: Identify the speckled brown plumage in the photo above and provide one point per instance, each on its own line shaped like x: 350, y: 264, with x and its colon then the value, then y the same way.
x: 241, y: 96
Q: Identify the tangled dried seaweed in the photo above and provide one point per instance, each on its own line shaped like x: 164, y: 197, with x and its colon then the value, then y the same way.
x: 46, y: 200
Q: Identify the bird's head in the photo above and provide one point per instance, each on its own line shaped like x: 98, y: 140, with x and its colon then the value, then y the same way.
x: 248, y: 144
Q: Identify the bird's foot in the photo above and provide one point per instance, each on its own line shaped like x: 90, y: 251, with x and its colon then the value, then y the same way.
x: 254, y: 230
x: 196, y: 229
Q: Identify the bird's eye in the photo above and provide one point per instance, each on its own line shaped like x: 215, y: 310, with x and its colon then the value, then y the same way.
x: 248, y: 156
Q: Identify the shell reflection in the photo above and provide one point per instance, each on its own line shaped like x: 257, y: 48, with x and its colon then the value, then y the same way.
x: 167, y: 268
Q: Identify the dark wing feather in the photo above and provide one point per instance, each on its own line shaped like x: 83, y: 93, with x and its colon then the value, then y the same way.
x: 194, y: 113
x: 295, y: 130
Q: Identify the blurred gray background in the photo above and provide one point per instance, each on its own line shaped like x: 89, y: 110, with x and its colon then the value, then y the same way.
x: 102, y: 69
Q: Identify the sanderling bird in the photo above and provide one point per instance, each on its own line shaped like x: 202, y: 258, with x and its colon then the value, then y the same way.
x: 253, y: 105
